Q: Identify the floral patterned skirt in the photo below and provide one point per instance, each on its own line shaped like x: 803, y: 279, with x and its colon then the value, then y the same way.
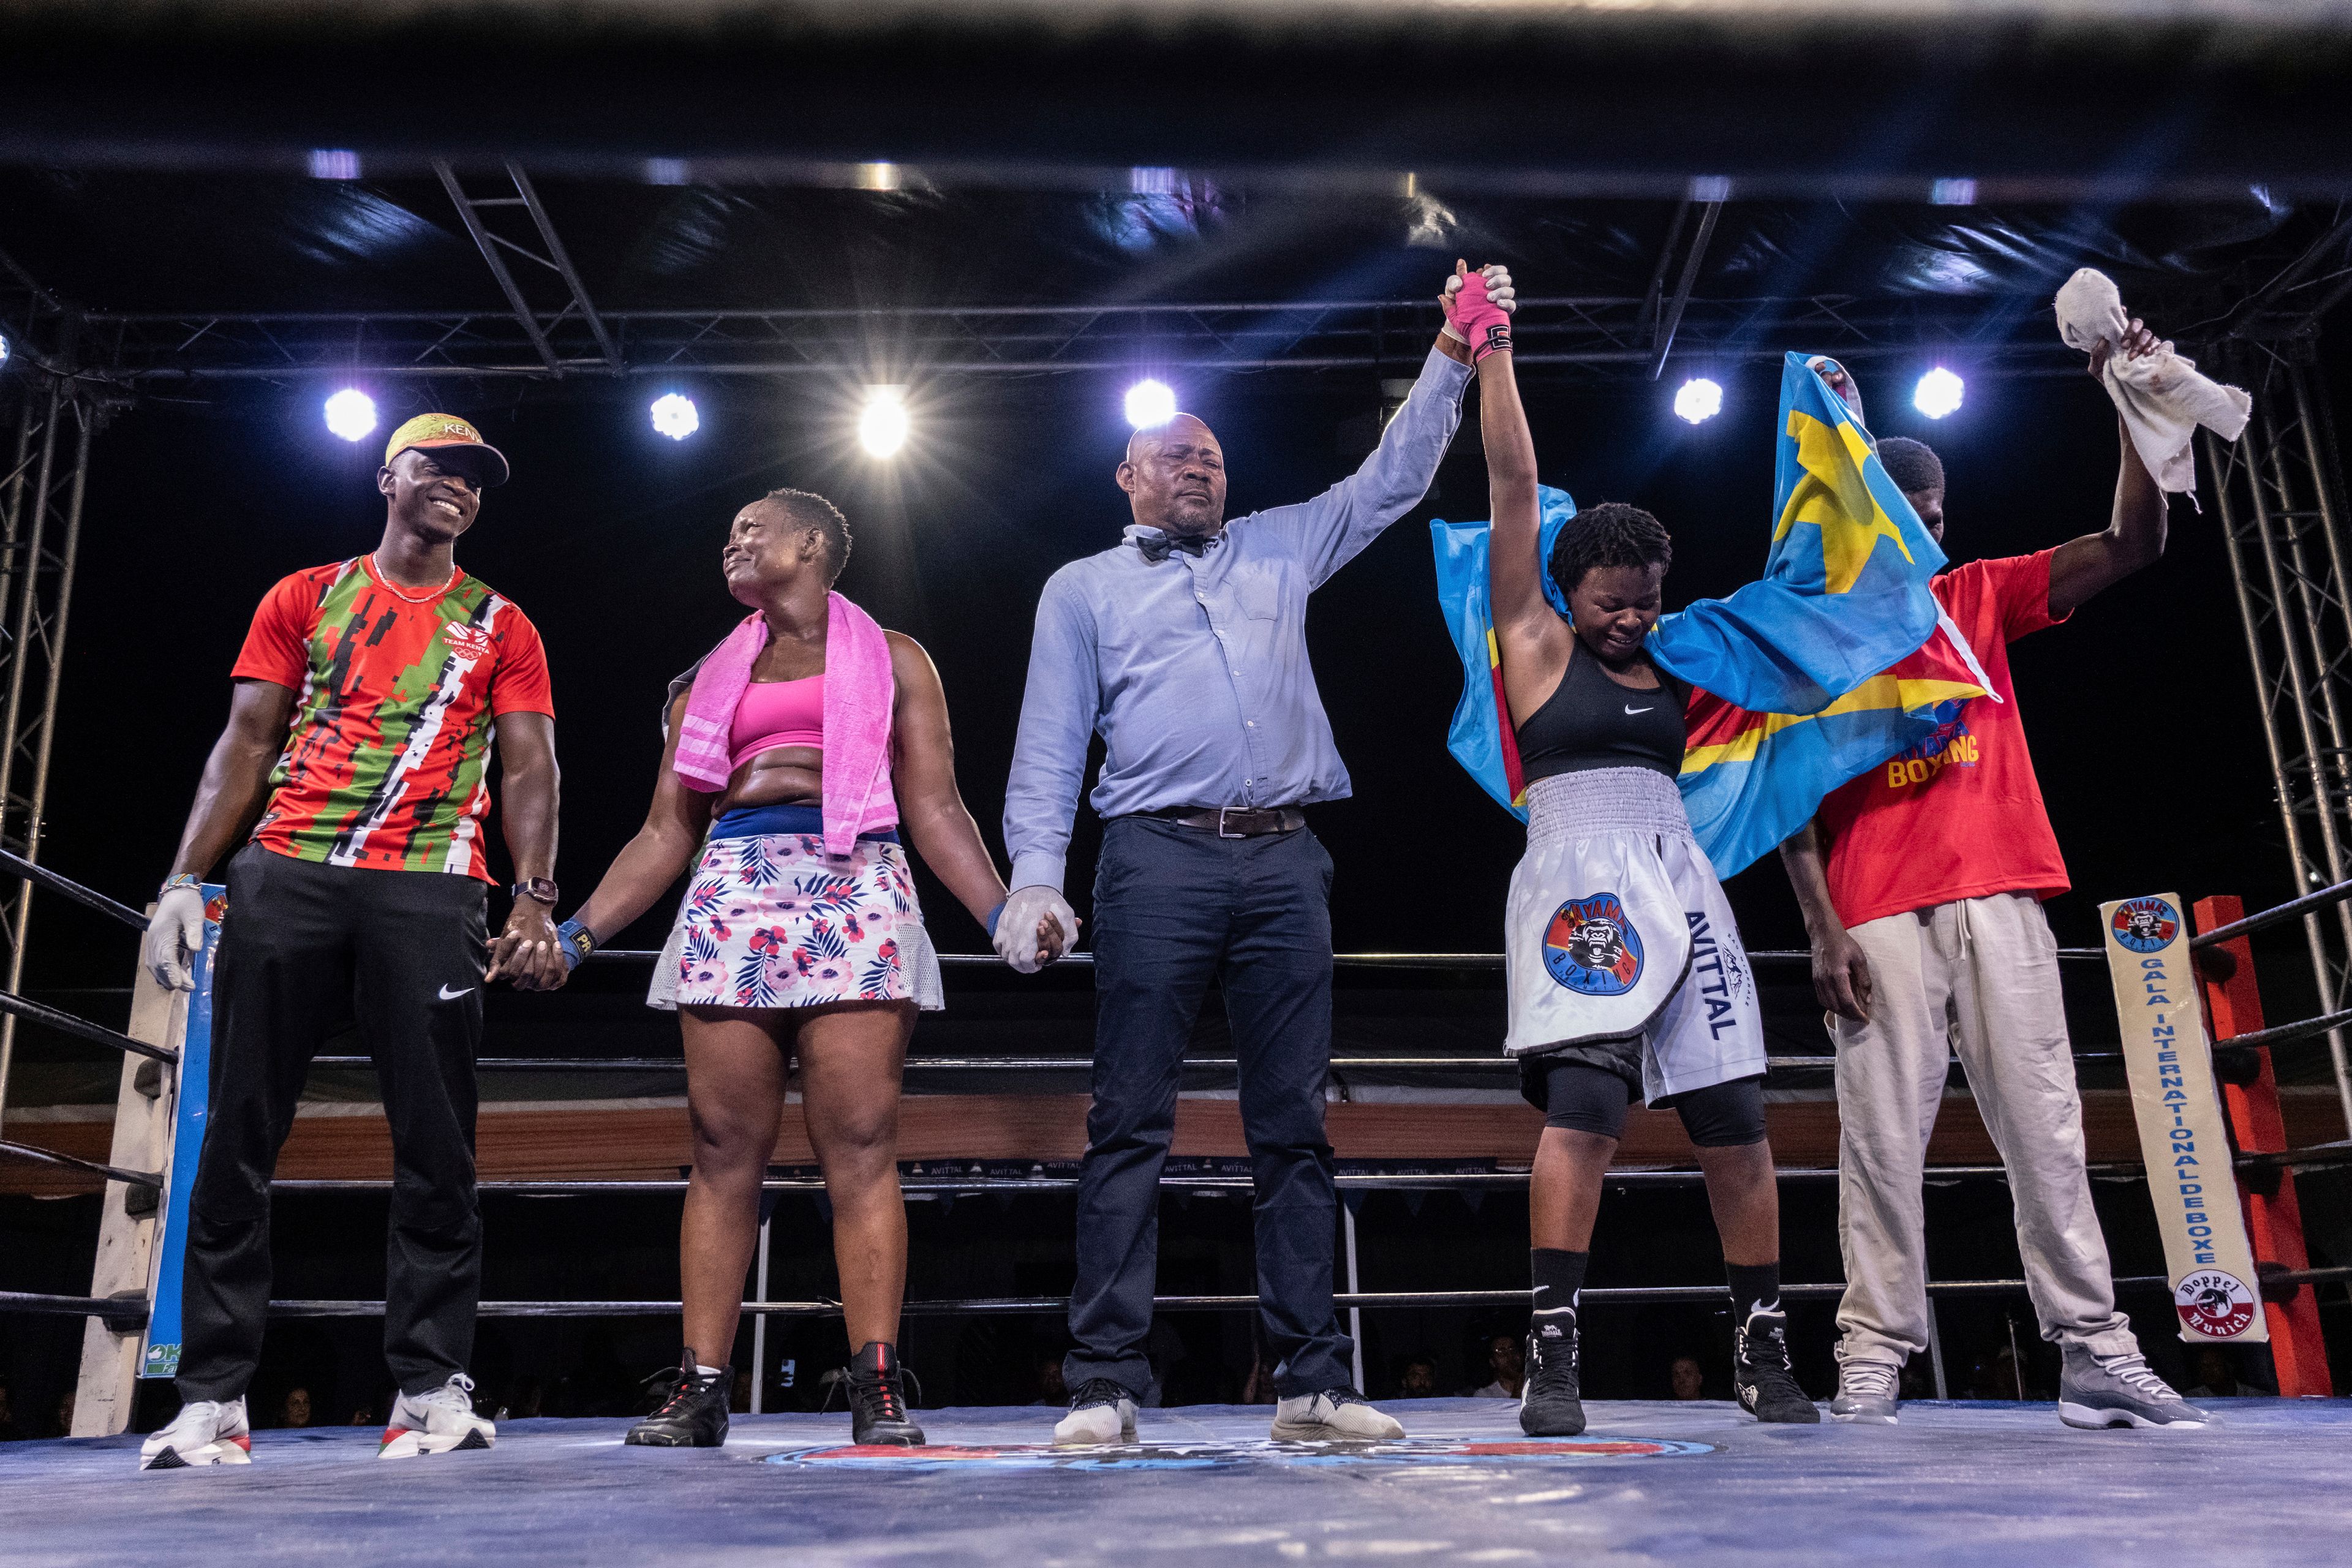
x: 773, y: 922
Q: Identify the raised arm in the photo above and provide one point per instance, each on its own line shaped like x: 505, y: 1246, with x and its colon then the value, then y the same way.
x: 229, y: 798
x: 649, y: 863
x: 1533, y: 639
x: 2133, y: 536
x: 1331, y: 530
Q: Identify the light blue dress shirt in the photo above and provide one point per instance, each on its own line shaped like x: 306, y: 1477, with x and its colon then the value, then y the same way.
x: 1194, y: 667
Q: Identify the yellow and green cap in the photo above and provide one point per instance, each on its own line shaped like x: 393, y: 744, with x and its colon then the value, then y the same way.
x: 441, y: 432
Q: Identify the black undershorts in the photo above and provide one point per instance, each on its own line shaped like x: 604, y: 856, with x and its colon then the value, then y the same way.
x: 1575, y: 1091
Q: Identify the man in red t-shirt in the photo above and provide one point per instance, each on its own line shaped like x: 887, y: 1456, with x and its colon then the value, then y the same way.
x: 1921, y: 883
x: 355, y: 763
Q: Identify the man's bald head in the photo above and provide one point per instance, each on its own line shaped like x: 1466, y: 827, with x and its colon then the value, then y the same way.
x: 1188, y: 426
x: 1174, y: 477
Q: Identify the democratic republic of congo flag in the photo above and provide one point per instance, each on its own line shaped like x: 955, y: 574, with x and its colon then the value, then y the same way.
x: 1834, y: 660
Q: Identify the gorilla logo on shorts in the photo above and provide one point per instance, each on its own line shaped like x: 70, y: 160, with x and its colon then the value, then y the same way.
x: 1591, y: 946
x: 2145, y: 925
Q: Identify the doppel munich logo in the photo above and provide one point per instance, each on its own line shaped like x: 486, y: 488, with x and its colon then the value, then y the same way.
x: 2214, y: 1304
x: 1592, y: 947
x: 2146, y: 925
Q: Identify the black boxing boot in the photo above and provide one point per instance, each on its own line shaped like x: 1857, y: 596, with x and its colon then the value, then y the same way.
x: 693, y: 1410
x: 877, y: 1401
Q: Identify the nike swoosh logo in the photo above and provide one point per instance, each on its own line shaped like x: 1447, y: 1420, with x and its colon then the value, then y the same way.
x: 1632, y: 709
x: 449, y: 995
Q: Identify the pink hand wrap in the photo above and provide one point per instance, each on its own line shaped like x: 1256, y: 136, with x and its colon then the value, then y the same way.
x: 1477, y: 317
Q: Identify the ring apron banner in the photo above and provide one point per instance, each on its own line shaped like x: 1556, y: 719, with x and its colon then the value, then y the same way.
x: 2191, y: 1174
x: 162, y: 1354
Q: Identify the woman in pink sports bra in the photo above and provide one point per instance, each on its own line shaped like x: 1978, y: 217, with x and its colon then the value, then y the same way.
x: 784, y: 951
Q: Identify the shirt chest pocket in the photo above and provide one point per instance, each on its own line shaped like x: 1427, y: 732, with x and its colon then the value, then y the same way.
x: 1258, y: 589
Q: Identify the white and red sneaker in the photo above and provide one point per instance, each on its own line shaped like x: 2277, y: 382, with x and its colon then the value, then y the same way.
x: 205, y: 1432
x: 438, y: 1420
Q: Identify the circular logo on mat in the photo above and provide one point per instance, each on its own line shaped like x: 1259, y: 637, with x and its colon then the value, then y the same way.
x: 2215, y: 1305
x: 1592, y: 948
x: 2145, y: 925
x: 1213, y: 1455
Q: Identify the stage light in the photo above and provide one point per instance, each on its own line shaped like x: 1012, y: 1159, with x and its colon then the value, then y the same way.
x: 882, y: 425
x: 350, y: 414
x: 1939, y: 394
x: 1698, y: 400
x: 4, y: 347
x: 675, y: 417
x: 1150, y: 403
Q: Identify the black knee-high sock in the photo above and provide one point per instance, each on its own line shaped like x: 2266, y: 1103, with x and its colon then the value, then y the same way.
x: 1753, y: 1285
x: 1558, y: 1278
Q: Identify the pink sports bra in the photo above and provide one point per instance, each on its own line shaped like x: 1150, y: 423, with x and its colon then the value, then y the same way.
x: 777, y: 714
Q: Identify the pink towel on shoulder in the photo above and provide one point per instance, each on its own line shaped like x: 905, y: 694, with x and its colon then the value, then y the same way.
x: 859, y: 692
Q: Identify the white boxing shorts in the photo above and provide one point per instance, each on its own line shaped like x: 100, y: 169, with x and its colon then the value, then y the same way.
x: 1616, y: 929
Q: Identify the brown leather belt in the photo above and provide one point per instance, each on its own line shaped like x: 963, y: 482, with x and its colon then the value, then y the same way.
x: 1233, y: 821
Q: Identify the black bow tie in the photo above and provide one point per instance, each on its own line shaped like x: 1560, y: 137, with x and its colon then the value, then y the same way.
x: 1155, y: 547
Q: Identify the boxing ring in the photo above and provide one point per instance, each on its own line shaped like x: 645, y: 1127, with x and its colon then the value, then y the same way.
x: 1648, y: 1481
x: 1955, y: 1481
x: 139, y: 1173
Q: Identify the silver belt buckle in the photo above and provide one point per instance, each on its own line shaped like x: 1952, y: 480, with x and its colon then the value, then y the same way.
x: 1222, y: 811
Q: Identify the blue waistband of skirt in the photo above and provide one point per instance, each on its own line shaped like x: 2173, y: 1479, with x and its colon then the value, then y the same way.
x: 785, y: 816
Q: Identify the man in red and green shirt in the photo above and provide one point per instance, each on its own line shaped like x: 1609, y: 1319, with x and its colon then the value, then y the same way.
x: 355, y: 766
x: 1922, y: 884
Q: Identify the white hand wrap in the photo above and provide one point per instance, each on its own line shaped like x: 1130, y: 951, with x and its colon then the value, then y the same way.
x: 176, y: 932
x: 1016, y: 928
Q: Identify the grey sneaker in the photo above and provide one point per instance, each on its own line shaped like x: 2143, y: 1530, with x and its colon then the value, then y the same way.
x: 1332, y: 1415
x: 1101, y: 1412
x: 1867, y: 1393
x: 2119, y: 1390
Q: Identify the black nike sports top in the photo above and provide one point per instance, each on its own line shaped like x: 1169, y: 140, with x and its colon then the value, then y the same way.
x: 1590, y: 721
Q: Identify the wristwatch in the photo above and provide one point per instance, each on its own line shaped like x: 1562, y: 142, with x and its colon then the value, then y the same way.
x: 539, y: 890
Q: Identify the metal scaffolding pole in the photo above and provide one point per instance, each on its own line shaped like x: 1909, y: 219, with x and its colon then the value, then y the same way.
x: 43, y: 539
x: 2277, y: 493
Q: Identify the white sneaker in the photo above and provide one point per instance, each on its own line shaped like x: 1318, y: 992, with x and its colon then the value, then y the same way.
x: 1332, y: 1415
x: 438, y: 1420
x: 205, y: 1432
x: 1101, y: 1412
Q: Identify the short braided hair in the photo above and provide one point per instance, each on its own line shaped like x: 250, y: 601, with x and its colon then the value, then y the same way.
x: 1611, y: 534
x: 808, y: 510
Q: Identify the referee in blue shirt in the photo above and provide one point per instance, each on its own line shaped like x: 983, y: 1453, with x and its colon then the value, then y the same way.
x: 1186, y: 646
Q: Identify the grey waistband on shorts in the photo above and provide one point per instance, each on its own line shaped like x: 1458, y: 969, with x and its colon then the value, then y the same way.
x: 1604, y: 800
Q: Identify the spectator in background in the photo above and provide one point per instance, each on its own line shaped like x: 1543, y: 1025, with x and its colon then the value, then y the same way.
x: 1997, y: 1376
x: 65, y: 1413
x: 739, y: 1397
x: 294, y: 1410
x: 363, y: 1417
x: 8, y: 1431
x: 1507, y: 1361
x: 1420, y: 1379
x: 1052, y: 1389
x: 528, y: 1399
x: 1687, y: 1379
x: 2217, y: 1378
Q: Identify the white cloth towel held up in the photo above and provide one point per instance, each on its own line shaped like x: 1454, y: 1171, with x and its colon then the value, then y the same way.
x: 2162, y: 396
